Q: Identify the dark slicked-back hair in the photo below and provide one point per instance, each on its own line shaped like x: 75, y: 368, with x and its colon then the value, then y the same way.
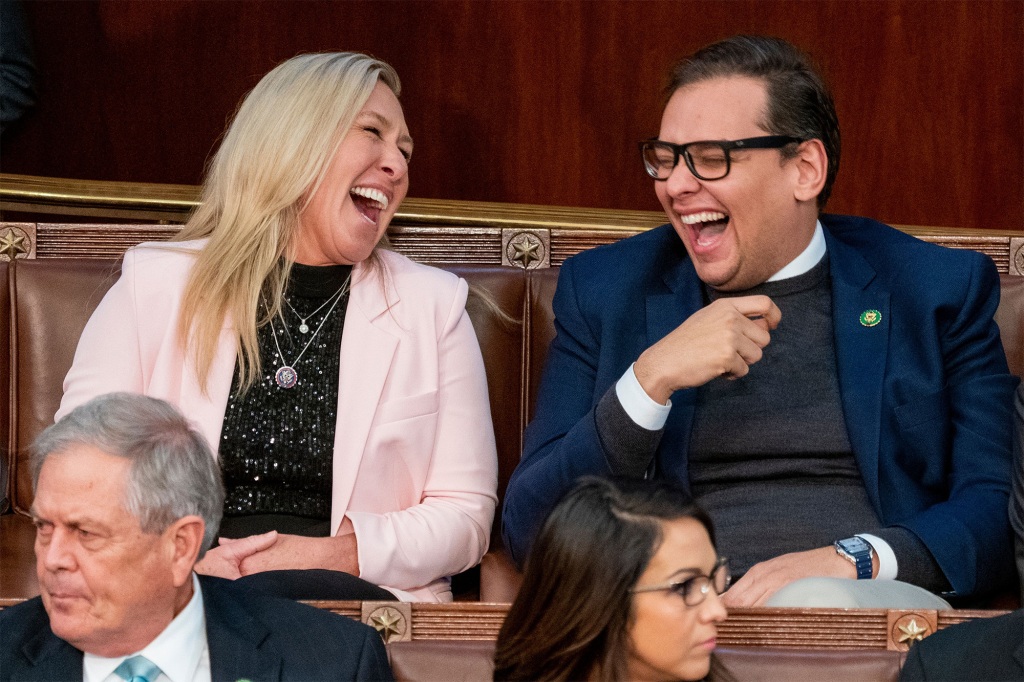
x: 799, y: 102
x: 572, y: 617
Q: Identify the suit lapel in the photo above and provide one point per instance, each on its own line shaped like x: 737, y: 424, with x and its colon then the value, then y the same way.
x: 237, y: 640
x: 666, y: 310
x: 49, y: 658
x: 367, y: 351
x: 862, y: 349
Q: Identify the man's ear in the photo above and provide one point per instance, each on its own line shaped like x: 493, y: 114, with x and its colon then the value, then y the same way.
x: 811, y: 164
x: 185, y: 537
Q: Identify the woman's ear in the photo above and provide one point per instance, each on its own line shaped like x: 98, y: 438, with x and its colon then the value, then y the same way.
x: 811, y: 164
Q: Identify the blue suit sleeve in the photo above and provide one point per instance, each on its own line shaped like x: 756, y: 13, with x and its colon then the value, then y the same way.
x: 969, y: 533
x: 373, y: 660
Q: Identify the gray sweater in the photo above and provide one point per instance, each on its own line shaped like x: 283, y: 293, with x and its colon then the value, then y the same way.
x: 770, y: 458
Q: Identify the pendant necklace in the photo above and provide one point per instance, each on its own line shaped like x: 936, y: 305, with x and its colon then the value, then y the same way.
x: 286, y: 376
x: 303, y: 327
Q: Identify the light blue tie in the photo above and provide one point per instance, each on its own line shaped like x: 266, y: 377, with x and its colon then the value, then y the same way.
x: 138, y: 669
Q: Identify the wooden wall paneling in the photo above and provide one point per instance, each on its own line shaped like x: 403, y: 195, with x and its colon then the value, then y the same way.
x: 542, y: 102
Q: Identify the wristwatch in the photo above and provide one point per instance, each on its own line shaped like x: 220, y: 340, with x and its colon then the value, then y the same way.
x: 858, y: 551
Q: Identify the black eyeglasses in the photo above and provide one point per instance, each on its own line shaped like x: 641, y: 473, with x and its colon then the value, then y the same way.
x: 695, y: 589
x: 707, y: 160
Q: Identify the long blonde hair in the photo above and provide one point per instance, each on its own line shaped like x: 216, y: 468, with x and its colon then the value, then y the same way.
x: 273, y: 158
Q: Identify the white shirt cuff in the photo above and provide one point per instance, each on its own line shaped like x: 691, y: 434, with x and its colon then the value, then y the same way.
x: 642, y: 409
x: 887, y: 564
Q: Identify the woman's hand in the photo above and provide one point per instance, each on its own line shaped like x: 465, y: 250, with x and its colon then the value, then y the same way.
x: 225, y: 560
x: 335, y: 553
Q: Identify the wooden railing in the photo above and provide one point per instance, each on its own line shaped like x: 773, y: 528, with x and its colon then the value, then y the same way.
x: 429, y: 230
x: 822, y: 629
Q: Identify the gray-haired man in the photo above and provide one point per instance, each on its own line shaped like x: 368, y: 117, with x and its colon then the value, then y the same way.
x: 128, y: 498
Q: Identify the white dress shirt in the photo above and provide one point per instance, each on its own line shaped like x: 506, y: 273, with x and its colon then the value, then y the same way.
x: 181, y: 650
x: 652, y: 415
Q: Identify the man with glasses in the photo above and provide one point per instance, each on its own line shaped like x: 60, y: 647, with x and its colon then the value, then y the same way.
x: 833, y: 391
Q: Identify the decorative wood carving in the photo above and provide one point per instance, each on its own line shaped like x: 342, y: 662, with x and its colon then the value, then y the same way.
x: 767, y: 627
x: 1016, y: 259
x: 17, y: 240
x: 439, y: 244
x: 526, y: 249
x: 428, y: 230
x: 907, y: 627
x: 393, y: 620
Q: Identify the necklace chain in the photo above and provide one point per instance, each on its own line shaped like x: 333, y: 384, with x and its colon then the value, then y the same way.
x: 303, y: 327
x: 286, y: 376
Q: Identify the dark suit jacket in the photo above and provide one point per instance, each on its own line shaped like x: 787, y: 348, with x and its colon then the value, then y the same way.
x: 251, y: 636
x: 989, y: 649
x: 926, y: 393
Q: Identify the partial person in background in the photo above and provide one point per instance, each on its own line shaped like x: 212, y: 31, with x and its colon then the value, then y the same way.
x: 1017, y: 498
x: 128, y: 498
x: 623, y: 584
x: 983, y: 649
x: 17, y: 68
x: 341, y: 384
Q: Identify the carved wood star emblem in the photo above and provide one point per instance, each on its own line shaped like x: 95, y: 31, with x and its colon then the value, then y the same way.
x: 12, y: 243
x: 911, y: 632
x: 526, y: 249
x: 389, y: 623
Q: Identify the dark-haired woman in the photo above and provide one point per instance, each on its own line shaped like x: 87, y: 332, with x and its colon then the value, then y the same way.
x: 623, y: 583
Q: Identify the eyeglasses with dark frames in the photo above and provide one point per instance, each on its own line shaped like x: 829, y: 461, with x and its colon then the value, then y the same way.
x: 695, y: 589
x: 706, y: 159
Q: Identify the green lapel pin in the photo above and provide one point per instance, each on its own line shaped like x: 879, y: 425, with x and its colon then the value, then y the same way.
x: 869, y: 318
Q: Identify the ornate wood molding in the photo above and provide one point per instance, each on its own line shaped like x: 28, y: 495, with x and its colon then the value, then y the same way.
x: 829, y: 629
x: 433, y: 231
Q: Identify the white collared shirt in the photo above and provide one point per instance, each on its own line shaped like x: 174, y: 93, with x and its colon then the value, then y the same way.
x: 652, y: 415
x: 181, y: 650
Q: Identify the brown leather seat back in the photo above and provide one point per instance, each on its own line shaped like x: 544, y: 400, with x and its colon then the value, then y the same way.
x: 422, y: 660
x: 1010, y: 318
x: 804, y: 665
x: 5, y: 384
x: 426, y: 660
x: 542, y: 330
x: 53, y: 299
x: 502, y: 347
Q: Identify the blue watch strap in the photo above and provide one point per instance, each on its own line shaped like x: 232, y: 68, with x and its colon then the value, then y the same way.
x: 858, y: 551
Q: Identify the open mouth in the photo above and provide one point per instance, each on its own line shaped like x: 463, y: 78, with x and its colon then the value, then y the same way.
x: 369, y: 202
x: 707, y: 226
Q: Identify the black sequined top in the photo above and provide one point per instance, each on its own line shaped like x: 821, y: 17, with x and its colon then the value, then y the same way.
x: 277, y: 444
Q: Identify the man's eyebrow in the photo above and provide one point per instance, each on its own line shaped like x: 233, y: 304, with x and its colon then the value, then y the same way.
x: 387, y: 124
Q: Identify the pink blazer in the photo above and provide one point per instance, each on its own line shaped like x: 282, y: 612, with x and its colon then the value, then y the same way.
x: 415, y: 464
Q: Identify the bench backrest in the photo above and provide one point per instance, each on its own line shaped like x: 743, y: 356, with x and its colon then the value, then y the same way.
x: 468, y: 660
x: 48, y: 297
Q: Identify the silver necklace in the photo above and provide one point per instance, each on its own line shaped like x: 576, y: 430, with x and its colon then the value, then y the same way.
x: 286, y: 376
x: 303, y: 327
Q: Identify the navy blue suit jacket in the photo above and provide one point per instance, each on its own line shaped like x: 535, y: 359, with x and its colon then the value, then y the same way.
x: 926, y: 393
x: 989, y: 649
x: 251, y: 636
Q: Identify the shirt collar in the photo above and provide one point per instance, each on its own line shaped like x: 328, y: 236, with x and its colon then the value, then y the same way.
x: 177, y: 650
x: 807, y: 259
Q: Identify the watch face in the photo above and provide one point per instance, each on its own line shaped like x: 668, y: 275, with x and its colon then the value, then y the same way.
x: 854, y: 545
